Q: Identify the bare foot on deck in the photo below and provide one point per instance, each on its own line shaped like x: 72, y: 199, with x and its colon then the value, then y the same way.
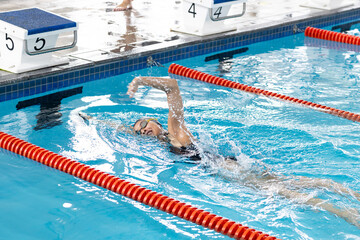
x: 125, y: 5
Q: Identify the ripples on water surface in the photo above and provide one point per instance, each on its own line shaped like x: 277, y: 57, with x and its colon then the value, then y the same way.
x: 262, y: 133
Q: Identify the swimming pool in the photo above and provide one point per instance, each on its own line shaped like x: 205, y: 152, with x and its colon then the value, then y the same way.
x: 261, y: 132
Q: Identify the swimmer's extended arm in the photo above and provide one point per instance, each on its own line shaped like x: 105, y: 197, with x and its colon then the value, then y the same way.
x: 118, y: 127
x: 176, y: 122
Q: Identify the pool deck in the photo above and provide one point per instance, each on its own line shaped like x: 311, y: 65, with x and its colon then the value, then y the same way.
x: 104, y: 35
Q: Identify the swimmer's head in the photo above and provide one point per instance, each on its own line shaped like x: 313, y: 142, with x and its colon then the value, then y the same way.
x: 148, y: 126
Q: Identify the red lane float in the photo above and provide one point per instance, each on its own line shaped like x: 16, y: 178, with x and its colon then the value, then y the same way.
x: 194, y: 74
x: 133, y: 191
x: 331, y: 36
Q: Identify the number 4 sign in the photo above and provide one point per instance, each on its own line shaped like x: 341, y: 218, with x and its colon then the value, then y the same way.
x: 192, y: 11
x: 205, y: 17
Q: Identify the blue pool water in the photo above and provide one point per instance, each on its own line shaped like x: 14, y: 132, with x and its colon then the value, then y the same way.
x: 37, y: 202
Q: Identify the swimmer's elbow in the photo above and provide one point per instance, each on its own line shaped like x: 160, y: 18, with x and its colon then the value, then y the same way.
x: 171, y: 85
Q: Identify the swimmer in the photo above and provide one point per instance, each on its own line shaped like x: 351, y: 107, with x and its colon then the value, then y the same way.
x: 178, y: 135
x: 180, y: 138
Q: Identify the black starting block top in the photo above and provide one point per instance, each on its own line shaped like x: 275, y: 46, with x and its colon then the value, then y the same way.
x: 36, y: 21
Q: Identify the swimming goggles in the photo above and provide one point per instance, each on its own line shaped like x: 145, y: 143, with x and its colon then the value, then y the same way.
x: 144, y: 122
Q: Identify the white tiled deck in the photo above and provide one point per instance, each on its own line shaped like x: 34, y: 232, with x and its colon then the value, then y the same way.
x: 124, y: 33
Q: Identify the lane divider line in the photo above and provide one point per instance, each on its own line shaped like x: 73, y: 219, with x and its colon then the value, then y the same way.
x: 130, y: 190
x: 331, y: 36
x: 194, y: 74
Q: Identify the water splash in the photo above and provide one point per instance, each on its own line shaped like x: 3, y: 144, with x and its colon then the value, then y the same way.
x: 150, y: 62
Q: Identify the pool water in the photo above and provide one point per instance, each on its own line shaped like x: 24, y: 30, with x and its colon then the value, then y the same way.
x: 37, y: 202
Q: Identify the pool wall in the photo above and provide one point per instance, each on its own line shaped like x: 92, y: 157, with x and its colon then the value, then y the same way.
x: 16, y: 86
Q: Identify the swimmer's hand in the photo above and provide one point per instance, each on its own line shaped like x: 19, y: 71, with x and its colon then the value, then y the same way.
x: 133, y: 87
x: 162, y: 83
x: 85, y: 116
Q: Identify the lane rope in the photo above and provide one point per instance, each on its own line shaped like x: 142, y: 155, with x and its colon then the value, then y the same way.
x: 130, y: 190
x: 194, y: 74
x: 331, y: 36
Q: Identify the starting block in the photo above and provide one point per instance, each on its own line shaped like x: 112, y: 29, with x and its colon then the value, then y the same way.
x: 205, y: 17
x: 326, y: 4
x: 29, y: 36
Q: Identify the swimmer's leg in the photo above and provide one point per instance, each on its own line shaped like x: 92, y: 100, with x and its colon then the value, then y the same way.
x: 350, y: 215
x: 306, y: 182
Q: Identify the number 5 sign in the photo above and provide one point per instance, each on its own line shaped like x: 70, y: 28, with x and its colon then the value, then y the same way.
x: 9, y: 42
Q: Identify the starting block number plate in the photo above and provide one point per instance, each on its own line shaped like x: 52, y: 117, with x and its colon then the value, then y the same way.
x: 192, y: 11
x: 39, y: 43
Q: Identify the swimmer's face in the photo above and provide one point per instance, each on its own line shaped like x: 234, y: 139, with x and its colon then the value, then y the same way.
x: 148, y: 126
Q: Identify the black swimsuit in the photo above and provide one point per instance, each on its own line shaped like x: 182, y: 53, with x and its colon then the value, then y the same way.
x: 192, y: 153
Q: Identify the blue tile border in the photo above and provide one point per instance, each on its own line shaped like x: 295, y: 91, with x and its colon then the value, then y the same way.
x: 32, y: 85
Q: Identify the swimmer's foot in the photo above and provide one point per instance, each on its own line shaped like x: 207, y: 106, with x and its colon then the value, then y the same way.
x: 124, y: 6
